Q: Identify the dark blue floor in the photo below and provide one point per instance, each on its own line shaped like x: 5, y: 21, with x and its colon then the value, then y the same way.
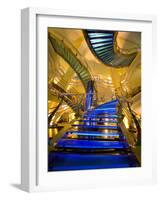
x: 59, y: 161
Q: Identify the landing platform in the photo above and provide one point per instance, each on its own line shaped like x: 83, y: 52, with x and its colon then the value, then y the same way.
x: 60, y: 161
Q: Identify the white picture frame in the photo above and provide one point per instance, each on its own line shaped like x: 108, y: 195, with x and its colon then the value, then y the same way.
x: 34, y: 176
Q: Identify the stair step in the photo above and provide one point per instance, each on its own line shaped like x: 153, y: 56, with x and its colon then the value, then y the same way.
x: 93, y: 133
x: 79, y: 68
x: 97, y: 112
x: 96, y: 127
x: 100, y: 121
x: 91, y: 144
x: 102, y: 116
x: 105, y: 108
x: 83, y: 73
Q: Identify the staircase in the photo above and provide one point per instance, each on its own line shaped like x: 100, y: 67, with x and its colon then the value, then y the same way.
x: 67, y: 54
x: 103, y: 45
x: 95, y: 141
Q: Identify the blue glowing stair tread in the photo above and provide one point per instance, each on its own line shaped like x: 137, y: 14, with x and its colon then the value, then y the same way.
x: 92, y: 133
x: 111, y: 104
x: 103, y: 111
x: 109, y: 107
x: 105, y: 108
x: 101, y: 116
x: 74, y: 161
x: 89, y: 114
x: 91, y: 144
x: 96, y: 126
x: 99, y: 121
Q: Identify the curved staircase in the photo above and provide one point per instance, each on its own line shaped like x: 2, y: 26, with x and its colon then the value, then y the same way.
x: 102, y: 44
x: 95, y: 141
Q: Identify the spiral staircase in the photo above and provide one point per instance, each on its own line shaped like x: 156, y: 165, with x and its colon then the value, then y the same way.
x: 104, y: 46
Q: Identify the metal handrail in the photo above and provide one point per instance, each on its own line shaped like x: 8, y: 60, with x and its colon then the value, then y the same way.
x: 126, y: 110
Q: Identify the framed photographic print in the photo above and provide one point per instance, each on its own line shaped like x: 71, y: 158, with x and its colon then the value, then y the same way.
x: 86, y: 106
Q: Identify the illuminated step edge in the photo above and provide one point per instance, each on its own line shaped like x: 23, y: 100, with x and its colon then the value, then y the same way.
x: 90, y: 133
x: 96, y: 127
x: 101, y: 116
x: 96, y: 112
x: 105, y: 109
x: 99, y: 121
